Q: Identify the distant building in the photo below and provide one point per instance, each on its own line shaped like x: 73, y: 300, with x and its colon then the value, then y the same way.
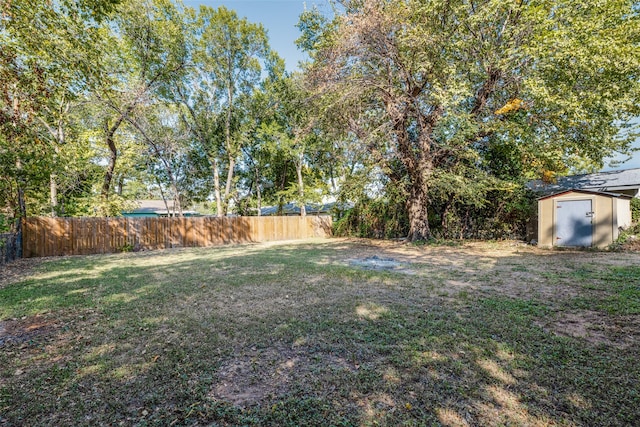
x: 292, y: 209
x: 156, y: 209
x: 625, y: 182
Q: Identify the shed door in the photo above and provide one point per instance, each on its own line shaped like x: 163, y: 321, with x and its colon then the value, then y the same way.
x: 574, y: 223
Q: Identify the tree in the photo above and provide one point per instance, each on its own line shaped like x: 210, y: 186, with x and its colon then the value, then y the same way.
x: 172, y: 158
x: 301, y: 137
x: 443, y: 86
x: 228, y: 54
x: 45, y: 57
x: 285, y: 159
x: 148, y: 53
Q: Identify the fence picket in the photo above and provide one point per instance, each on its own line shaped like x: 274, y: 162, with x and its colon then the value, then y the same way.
x: 83, y: 236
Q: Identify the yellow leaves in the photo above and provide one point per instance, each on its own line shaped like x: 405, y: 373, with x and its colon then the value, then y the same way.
x: 514, y: 105
x: 548, y: 177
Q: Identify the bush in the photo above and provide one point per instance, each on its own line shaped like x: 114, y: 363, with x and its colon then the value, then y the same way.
x: 376, y: 219
x: 504, y: 215
x: 627, y: 239
x: 5, y: 224
x: 635, y: 210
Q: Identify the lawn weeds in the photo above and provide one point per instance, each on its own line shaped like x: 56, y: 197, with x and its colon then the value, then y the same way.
x: 294, y: 334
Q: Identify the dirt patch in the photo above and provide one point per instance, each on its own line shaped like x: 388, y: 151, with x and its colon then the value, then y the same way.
x: 17, y: 270
x: 380, y: 264
x: 259, y: 376
x: 27, y: 329
x: 509, y: 268
x: 597, y: 328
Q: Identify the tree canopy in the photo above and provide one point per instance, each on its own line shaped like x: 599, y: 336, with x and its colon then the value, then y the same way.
x: 469, y: 96
x: 428, y: 116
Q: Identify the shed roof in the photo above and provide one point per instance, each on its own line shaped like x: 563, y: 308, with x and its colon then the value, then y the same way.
x: 597, y: 193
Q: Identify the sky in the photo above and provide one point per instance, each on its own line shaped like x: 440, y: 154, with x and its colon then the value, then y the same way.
x: 634, y: 162
x: 279, y: 17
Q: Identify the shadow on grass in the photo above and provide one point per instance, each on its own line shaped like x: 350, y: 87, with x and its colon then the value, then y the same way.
x: 286, y: 335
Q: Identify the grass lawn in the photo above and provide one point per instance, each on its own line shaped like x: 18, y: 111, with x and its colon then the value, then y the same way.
x: 321, y: 333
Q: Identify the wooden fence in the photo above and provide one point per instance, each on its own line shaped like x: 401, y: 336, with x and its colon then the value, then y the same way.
x: 83, y: 236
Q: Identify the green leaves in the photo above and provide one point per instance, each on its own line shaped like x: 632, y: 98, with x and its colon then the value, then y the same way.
x: 444, y: 82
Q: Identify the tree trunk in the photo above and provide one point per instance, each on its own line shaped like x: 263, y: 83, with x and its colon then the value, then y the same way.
x: 258, y: 192
x: 418, y: 210
x: 113, y: 155
x: 120, y: 186
x: 53, y: 194
x: 216, y: 187
x: 227, y: 188
x: 177, y: 205
x: 22, y: 205
x: 164, y: 198
x: 53, y: 183
x: 303, y: 209
x: 111, y: 166
x: 227, y: 132
x: 416, y: 158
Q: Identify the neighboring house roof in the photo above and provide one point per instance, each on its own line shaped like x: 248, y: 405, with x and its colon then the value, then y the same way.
x: 597, y: 193
x: 612, y: 181
x: 155, y: 207
x: 293, y: 209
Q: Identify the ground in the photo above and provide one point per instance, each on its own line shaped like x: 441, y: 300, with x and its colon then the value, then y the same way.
x: 323, y: 332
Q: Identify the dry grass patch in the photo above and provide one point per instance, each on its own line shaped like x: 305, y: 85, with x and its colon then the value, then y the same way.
x: 596, y: 328
x: 17, y: 270
x: 298, y: 334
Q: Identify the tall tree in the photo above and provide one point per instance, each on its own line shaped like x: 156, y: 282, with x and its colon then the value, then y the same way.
x: 47, y: 51
x: 148, y: 52
x: 437, y: 85
x: 295, y: 130
x: 229, y: 56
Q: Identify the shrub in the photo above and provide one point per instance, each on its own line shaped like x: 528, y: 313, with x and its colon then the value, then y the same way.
x: 377, y: 219
x: 635, y: 210
x: 503, y: 215
x: 5, y: 225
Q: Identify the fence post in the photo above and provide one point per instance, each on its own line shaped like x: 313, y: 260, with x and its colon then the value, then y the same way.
x: 83, y: 236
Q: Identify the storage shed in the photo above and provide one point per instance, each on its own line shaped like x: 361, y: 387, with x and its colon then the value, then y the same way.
x: 582, y: 218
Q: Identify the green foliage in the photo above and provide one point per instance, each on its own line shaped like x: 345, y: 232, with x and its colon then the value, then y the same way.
x: 495, y: 213
x: 5, y: 225
x: 127, y: 247
x: 631, y: 235
x: 473, y: 98
x: 379, y: 219
x: 428, y: 116
x: 635, y: 210
x: 627, y: 236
